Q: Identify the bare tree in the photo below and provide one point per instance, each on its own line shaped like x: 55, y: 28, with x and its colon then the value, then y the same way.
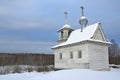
x: 114, y: 53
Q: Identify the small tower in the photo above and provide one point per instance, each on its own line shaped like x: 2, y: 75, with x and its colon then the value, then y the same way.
x: 65, y: 31
x: 83, y: 20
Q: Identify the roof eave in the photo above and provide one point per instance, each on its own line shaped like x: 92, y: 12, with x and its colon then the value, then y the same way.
x: 82, y: 42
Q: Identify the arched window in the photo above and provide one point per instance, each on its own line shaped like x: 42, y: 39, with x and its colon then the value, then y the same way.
x: 61, y: 34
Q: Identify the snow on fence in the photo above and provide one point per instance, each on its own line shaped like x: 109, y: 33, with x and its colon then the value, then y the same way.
x: 114, y: 66
x: 24, y: 62
x: 25, y: 68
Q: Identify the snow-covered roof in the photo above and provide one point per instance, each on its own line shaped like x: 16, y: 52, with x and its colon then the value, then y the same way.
x: 78, y: 36
x: 83, y: 17
x: 66, y: 26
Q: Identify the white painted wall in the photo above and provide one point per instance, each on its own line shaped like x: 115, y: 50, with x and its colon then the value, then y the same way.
x: 94, y: 56
x: 67, y: 62
x: 98, y: 35
x: 98, y: 56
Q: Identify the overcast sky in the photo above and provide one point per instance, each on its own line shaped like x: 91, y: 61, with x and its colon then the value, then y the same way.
x: 31, y: 25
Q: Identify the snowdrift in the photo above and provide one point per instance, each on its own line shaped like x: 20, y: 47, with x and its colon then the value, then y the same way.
x: 74, y: 74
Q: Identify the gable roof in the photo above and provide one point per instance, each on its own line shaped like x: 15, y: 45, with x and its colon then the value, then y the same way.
x: 78, y: 36
x: 99, y: 34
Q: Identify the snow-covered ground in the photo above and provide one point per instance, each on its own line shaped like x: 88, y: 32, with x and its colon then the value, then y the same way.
x: 73, y: 74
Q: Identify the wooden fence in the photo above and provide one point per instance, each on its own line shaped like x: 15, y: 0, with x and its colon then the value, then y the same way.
x: 26, y: 59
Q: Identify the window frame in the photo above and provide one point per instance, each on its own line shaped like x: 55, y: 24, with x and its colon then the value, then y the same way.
x: 60, y: 56
x: 62, y: 34
x: 80, y: 54
x: 71, y: 54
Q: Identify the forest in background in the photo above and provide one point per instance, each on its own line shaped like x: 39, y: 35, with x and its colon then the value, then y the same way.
x: 114, y: 53
x: 26, y: 59
x: 24, y: 62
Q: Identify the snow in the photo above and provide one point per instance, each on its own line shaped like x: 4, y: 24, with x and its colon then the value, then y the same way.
x: 78, y: 36
x: 20, y: 76
x: 86, y: 34
x: 23, y: 68
x: 72, y: 74
x: 83, y: 17
x: 66, y: 26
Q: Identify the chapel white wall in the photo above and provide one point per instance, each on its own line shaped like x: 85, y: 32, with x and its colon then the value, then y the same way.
x: 98, y: 35
x: 98, y: 56
x: 67, y: 62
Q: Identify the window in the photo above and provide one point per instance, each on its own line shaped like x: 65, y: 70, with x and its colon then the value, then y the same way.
x: 61, y: 34
x: 79, y: 54
x: 60, y: 55
x: 71, y: 54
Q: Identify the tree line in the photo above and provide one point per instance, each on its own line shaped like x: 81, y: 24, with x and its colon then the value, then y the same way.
x: 25, y: 62
x: 26, y: 59
x: 114, y: 53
